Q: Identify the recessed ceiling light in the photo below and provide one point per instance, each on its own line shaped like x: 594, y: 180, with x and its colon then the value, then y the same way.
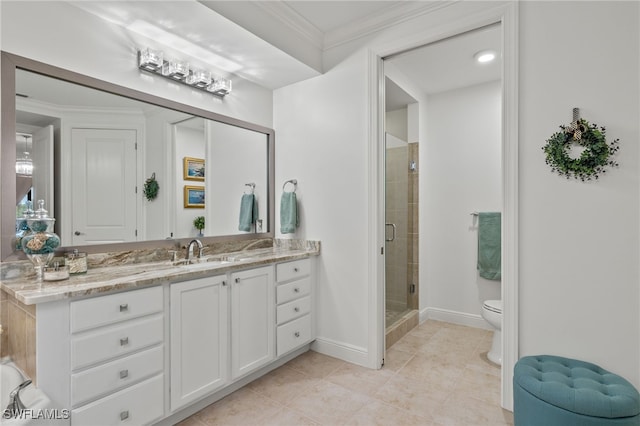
x: 485, y: 56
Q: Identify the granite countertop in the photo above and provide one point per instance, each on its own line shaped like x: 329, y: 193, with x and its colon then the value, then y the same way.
x: 119, y: 277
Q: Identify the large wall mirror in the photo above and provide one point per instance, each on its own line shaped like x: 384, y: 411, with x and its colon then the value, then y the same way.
x: 94, y: 145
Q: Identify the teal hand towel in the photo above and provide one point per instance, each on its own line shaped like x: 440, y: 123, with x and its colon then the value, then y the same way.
x: 248, y: 212
x: 289, y: 219
x: 489, y: 245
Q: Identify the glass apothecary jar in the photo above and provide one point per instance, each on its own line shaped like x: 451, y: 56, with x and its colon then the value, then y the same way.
x: 40, y: 244
x: 22, y: 228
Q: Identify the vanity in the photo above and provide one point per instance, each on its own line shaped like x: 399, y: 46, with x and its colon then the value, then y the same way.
x: 154, y: 342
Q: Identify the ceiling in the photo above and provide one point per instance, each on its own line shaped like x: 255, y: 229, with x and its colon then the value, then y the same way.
x: 277, y: 43
x: 329, y: 16
x: 448, y: 64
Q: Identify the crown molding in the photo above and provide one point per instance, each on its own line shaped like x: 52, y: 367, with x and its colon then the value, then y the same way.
x: 292, y: 19
x: 377, y: 21
x: 382, y: 19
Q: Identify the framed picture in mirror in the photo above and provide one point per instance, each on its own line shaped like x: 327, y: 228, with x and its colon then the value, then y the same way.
x: 194, y: 197
x: 193, y: 168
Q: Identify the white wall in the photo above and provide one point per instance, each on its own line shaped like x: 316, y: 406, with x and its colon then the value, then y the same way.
x: 579, y: 241
x: 321, y: 129
x: 461, y: 163
x: 237, y: 156
x: 190, y: 142
x: 160, y: 212
x: 396, y: 123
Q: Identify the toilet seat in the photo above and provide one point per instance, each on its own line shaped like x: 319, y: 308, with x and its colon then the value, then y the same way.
x: 493, y: 306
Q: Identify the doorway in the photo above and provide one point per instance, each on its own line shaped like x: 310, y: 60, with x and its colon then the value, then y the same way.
x: 506, y: 16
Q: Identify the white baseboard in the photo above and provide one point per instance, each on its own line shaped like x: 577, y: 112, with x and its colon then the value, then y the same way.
x: 343, y: 351
x: 460, y: 318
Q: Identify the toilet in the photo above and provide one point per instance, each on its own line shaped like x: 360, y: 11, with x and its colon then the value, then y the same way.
x: 492, y: 313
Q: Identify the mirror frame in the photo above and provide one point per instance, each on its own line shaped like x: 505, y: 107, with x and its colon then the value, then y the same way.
x: 9, y: 64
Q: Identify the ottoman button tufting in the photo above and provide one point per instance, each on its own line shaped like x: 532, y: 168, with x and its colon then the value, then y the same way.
x: 556, y: 391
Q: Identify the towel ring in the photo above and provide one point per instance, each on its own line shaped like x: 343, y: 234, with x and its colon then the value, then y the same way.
x: 294, y: 182
x: 252, y: 187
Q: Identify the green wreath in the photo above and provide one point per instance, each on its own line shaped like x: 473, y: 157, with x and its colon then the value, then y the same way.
x: 592, y: 161
x: 151, y: 188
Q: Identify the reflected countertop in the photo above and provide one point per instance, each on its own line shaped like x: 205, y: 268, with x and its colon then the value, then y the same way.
x: 113, y: 278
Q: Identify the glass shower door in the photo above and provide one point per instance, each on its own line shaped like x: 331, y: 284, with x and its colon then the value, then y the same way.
x: 396, y: 229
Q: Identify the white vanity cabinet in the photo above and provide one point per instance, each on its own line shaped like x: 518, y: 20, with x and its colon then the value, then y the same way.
x: 151, y: 355
x: 199, y: 330
x: 252, y: 320
x: 116, y: 358
x: 294, y: 293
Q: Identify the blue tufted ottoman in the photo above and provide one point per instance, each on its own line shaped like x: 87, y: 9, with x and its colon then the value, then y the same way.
x: 555, y: 391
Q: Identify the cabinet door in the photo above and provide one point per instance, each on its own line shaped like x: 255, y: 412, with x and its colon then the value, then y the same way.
x: 252, y: 320
x: 199, y: 327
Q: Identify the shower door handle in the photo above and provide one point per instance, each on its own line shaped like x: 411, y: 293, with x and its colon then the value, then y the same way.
x: 393, y: 233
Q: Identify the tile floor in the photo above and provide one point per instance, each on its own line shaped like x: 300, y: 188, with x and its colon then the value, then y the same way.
x: 436, y: 375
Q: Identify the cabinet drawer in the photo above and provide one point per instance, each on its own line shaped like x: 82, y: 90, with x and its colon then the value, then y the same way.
x: 291, y: 270
x: 116, y: 340
x: 104, y: 310
x: 139, y: 404
x: 115, y: 375
x: 293, y: 334
x: 293, y: 290
x: 293, y: 309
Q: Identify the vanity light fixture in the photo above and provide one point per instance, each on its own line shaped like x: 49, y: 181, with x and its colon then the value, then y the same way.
x: 153, y: 61
x: 24, y: 164
x: 485, y: 56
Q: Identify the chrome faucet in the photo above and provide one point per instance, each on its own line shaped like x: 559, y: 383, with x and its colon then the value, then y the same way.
x: 190, y: 249
x: 16, y: 406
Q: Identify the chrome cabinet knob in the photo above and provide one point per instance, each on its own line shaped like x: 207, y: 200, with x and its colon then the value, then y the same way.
x: 124, y: 307
x: 296, y: 309
x: 124, y: 341
x: 124, y: 374
x: 124, y: 415
x: 297, y: 334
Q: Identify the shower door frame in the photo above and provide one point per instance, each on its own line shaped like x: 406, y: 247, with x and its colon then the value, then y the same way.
x: 507, y: 15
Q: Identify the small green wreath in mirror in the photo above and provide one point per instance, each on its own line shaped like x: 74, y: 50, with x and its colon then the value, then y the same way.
x: 596, y: 154
x: 151, y: 188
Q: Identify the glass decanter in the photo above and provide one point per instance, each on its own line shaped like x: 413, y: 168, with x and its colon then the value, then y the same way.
x: 42, y: 242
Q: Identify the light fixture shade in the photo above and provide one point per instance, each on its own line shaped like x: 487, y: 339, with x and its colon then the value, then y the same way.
x: 24, y: 165
x: 150, y: 59
x: 178, y: 70
x: 199, y: 78
x: 220, y: 86
x: 154, y: 61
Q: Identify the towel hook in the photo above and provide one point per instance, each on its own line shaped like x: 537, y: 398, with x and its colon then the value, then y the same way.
x: 294, y: 182
x: 252, y: 186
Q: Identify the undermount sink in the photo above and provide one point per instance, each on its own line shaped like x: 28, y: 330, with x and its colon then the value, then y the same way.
x: 206, y: 261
